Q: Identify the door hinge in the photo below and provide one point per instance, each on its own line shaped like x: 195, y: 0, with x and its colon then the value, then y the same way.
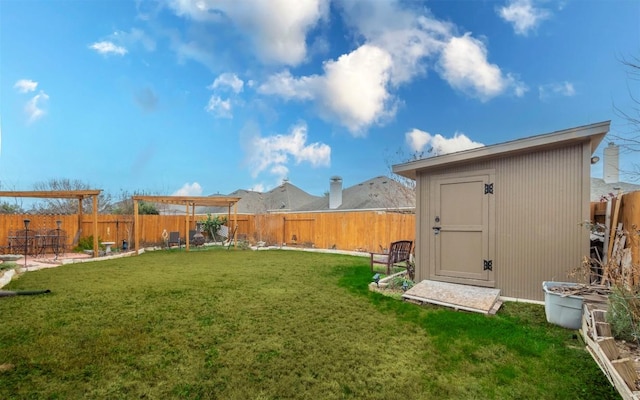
x: 488, y: 188
x: 488, y: 265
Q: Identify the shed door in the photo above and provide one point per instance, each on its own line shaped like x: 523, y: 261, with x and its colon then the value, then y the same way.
x: 460, y: 233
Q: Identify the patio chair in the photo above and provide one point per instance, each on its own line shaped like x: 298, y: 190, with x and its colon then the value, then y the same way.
x: 174, y: 238
x: 399, y: 253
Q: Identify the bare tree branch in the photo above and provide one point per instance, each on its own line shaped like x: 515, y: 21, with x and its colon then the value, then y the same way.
x: 630, y: 141
x: 68, y: 206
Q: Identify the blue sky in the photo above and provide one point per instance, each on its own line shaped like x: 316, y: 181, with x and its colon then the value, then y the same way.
x: 204, y: 97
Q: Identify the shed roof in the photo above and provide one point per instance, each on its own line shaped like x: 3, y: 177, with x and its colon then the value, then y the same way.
x: 593, y: 133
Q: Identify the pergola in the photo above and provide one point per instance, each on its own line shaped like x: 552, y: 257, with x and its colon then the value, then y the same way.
x: 187, y: 201
x: 66, y: 194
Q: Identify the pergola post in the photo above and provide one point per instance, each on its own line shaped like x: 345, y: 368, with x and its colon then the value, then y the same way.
x: 79, y: 216
x: 95, y: 226
x: 186, y: 225
x: 136, y: 225
x: 235, y: 224
x: 229, y: 220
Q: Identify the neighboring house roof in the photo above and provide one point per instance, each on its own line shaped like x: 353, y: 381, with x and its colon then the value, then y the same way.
x: 593, y: 133
x: 380, y: 192
x: 599, y: 188
x: 284, y: 197
x: 377, y: 193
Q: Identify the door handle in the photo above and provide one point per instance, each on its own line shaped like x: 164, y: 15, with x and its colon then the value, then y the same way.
x: 436, y: 230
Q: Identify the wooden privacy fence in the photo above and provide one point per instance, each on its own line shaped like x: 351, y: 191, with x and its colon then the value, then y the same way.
x: 355, y: 230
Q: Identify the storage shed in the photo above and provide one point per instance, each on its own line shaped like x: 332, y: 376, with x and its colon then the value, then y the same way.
x: 506, y: 216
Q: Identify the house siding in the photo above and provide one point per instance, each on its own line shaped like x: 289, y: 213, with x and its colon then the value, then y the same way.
x: 539, y: 207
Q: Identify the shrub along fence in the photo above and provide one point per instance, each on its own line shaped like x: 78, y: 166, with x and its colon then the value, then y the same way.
x: 352, y: 230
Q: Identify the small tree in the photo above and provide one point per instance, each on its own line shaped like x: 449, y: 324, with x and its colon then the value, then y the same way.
x: 405, y: 192
x: 212, y: 225
x: 124, y: 206
x: 7, y: 208
x: 147, y: 209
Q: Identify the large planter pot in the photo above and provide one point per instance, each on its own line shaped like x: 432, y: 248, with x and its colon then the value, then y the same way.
x: 562, y: 310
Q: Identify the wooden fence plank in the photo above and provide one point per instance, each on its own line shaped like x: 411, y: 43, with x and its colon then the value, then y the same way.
x: 630, y: 217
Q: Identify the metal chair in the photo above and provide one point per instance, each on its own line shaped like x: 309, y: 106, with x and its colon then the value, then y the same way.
x: 174, y: 238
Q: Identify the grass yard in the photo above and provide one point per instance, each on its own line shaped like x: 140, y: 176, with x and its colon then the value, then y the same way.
x: 234, y: 324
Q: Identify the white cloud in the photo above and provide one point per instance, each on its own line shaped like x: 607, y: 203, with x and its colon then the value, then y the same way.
x: 565, y: 89
x: 417, y: 139
x: 279, y: 172
x: 258, y: 187
x: 35, y: 107
x: 218, y: 107
x: 106, y: 48
x: 519, y: 87
x: 189, y: 189
x: 463, y: 64
x: 273, y: 153
x: 286, y: 85
x: 356, y: 89
x: 408, y: 37
x: 229, y: 80
x: 277, y: 28
x: 25, y: 85
x: 191, y: 50
x: 396, y: 43
x: 523, y: 15
x: 413, y: 37
x: 437, y: 144
x: 353, y: 89
x: 133, y: 37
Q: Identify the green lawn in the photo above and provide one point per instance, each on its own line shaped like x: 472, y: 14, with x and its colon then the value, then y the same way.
x: 232, y: 324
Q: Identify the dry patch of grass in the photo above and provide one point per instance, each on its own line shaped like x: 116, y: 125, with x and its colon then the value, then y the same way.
x: 269, y: 325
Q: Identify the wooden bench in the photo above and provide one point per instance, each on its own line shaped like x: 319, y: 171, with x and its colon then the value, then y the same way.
x: 399, y: 252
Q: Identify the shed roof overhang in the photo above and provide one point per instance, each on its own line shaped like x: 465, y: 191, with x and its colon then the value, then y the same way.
x: 593, y: 134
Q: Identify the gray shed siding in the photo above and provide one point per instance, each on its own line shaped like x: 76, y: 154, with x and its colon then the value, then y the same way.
x: 541, y: 199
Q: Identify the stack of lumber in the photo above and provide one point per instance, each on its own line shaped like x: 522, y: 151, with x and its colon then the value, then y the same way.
x: 590, y: 293
x: 621, y: 371
x: 621, y: 257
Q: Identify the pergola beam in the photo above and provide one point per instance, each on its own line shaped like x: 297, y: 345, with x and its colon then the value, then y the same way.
x: 52, y: 194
